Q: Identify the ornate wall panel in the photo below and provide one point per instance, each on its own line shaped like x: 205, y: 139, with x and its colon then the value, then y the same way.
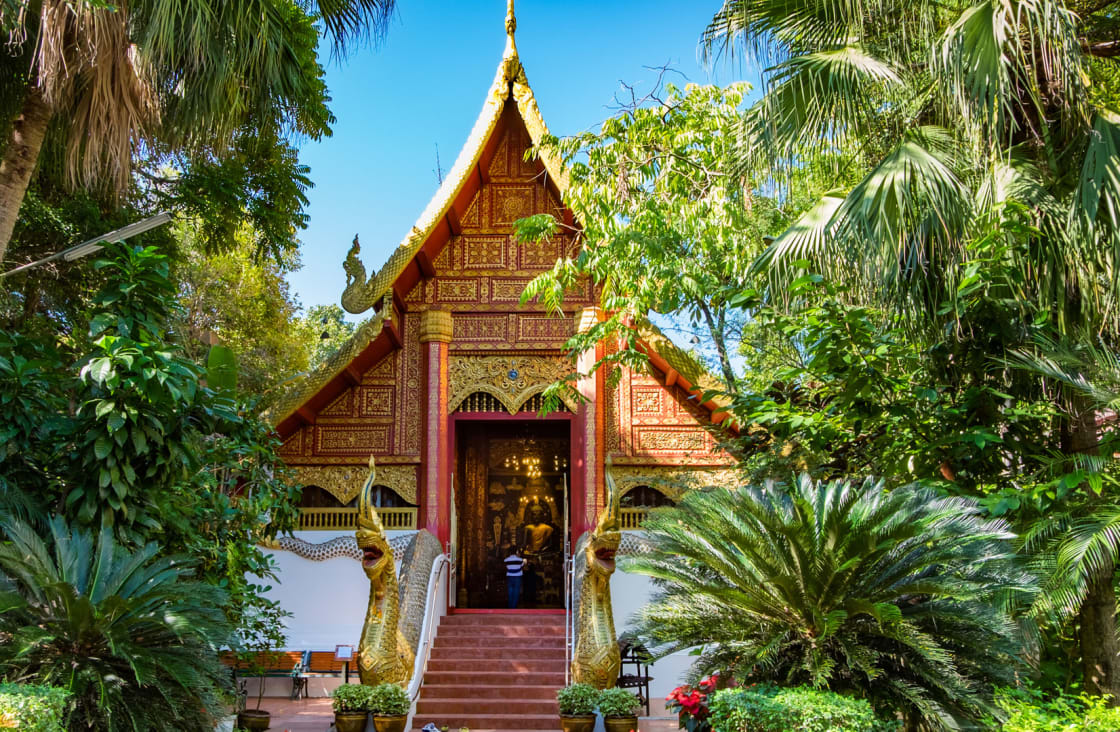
x: 353, y: 440
x: 651, y: 423
x: 671, y: 481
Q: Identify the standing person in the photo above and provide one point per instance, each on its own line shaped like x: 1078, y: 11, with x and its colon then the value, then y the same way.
x: 515, y: 567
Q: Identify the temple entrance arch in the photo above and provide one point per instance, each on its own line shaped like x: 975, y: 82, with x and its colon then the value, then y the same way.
x: 512, y: 482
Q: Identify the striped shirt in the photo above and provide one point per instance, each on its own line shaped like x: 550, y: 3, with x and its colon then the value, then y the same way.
x: 514, y: 565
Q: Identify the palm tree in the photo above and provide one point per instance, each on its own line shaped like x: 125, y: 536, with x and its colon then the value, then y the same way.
x: 894, y: 596
x: 979, y: 138
x: 130, y: 635
x: 162, y: 73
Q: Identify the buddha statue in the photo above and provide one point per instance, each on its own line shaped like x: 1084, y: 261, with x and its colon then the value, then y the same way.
x: 537, y: 532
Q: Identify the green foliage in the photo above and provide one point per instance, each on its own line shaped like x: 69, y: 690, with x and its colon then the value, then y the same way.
x: 133, y: 425
x: 176, y: 463
x: 329, y: 321
x: 1028, y: 710
x: 577, y: 700
x: 352, y: 698
x: 663, y: 228
x: 616, y: 702
x: 246, y: 303
x: 388, y: 700
x: 799, y: 709
x: 838, y: 585
x: 33, y: 708
x: 130, y: 635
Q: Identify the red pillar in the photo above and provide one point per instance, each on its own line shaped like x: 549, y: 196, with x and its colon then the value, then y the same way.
x: 590, y: 454
x: 435, y: 450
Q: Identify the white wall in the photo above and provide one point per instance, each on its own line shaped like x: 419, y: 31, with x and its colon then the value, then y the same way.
x: 629, y: 592
x: 327, y: 599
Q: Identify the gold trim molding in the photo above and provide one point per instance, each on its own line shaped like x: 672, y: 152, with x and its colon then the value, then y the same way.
x: 512, y: 380
x: 435, y: 325
x: 344, y: 482
x: 673, y: 482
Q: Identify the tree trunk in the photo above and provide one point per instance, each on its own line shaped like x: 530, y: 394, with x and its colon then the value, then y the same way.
x: 721, y: 348
x: 20, y: 155
x: 1100, y: 645
x: 1100, y: 650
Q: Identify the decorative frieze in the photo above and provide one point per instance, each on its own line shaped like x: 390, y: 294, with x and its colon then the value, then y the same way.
x: 345, y: 481
x: 510, y: 379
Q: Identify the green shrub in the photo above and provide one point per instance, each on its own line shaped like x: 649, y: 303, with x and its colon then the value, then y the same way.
x: 352, y: 698
x: 618, y: 703
x: 1028, y: 710
x: 577, y: 700
x: 389, y: 700
x: 798, y: 709
x: 33, y: 708
x: 132, y: 636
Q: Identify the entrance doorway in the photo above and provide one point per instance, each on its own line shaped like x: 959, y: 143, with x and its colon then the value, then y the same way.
x: 510, y: 492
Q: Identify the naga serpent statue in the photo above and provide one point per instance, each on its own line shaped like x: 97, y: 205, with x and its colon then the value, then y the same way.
x: 596, y: 659
x: 384, y: 655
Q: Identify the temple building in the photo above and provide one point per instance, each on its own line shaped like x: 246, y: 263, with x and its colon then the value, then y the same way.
x: 442, y: 386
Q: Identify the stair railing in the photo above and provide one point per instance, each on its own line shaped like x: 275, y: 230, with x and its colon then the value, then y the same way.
x: 433, y: 611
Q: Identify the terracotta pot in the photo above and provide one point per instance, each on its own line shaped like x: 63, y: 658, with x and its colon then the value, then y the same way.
x: 350, y: 721
x: 620, y: 724
x: 390, y: 724
x: 254, y: 719
x: 577, y: 724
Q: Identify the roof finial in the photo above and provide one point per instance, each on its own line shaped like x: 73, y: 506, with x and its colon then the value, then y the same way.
x: 511, y: 19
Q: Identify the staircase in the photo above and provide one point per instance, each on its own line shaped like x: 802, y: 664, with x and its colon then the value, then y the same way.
x: 494, y: 671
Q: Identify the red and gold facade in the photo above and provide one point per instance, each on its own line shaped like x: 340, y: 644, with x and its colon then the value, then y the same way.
x: 450, y: 346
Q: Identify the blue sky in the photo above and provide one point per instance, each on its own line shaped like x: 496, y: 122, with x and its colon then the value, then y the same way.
x: 424, y: 87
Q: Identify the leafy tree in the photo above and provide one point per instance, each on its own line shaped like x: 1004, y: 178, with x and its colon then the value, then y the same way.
x: 244, y: 303
x: 163, y: 75
x: 986, y: 170
x: 839, y: 585
x: 132, y: 636
x: 139, y: 444
x: 328, y: 329
x: 663, y: 227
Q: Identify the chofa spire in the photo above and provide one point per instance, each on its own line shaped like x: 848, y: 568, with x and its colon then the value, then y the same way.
x: 511, y: 19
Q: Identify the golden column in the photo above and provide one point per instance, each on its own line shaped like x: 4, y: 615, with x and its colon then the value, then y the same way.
x: 435, y: 450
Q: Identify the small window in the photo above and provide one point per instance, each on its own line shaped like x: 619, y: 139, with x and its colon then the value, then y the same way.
x: 315, y: 497
x: 643, y: 496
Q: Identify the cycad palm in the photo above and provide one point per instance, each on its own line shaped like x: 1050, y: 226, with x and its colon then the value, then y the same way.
x: 895, y: 596
x: 975, y: 145
x: 130, y: 635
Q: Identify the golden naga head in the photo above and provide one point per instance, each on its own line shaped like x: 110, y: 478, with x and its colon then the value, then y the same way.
x: 606, y: 537
x: 377, y: 556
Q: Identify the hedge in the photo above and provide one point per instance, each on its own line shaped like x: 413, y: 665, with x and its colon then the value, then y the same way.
x: 798, y: 709
x: 31, y: 708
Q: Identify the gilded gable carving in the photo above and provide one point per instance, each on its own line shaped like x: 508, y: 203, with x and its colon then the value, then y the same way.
x: 345, y: 481
x: 352, y: 439
x: 512, y: 380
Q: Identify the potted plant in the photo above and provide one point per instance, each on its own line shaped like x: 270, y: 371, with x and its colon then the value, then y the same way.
x: 389, y: 704
x: 351, y: 707
x: 577, y: 707
x: 261, y: 634
x: 619, y: 709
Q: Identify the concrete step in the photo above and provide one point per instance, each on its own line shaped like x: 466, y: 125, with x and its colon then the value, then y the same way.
x: 522, y: 707
x: 552, y: 679
x: 463, y: 630
x: 477, y: 640
x: 503, y: 619
x: 539, y: 655
x: 474, y: 690
x: 476, y: 722
x: 497, y: 665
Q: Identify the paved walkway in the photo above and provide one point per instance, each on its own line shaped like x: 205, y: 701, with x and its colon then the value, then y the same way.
x: 315, y: 715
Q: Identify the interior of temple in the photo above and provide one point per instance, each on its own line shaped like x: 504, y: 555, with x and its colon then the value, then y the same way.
x: 510, y: 491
